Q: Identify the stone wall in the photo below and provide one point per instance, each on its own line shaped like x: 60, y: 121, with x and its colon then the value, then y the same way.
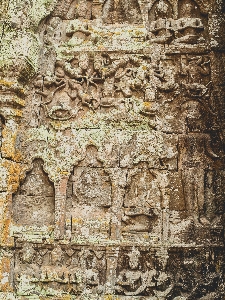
x: 112, y: 149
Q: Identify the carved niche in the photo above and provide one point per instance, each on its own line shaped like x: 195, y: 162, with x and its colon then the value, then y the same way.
x: 186, y: 27
x: 89, y: 198
x: 122, y: 11
x: 196, y: 158
x: 161, y: 22
x: 189, y: 26
x: 126, y: 106
x: 142, y: 202
x: 33, y: 203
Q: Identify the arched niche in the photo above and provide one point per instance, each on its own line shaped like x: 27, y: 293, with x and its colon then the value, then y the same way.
x: 201, y: 5
x: 122, y: 11
x: 161, y: 9
x: 89, y: 184
x: 142, y: 202
x: 143, y: 190
x: 33, y: 203
x: 74, y: 9
x: 88, y: 199
x: 188, y: 9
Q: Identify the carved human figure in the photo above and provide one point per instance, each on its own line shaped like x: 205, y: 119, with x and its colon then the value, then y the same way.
x: 81, y: 83
x: 165, y: 71
x: 141, y: 201
x: 78, y: 70
x: 164, y: 285
x: 137, y: 76
x: 112, y: 72
x: 196, y: 70
x: 195, y: 153
x: 162, y: 27
x: 87, y: 89
x: 189, y: 25
x: 121, y: 11
x: 26, y: 270
x: 124, y: 84
x: 76, y: 271
x: 92, y: 276
x: 132, y: 281
x: 83, y: 9
x: 70, y: 89
x: 57, y: 101
x: 54, y: 271
x: 92, y: 264
x: 91, y: 187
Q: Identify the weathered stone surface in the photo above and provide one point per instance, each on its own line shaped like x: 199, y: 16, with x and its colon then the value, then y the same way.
x: 112, y: 149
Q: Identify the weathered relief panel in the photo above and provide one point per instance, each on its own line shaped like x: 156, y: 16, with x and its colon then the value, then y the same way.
x: 112, y: 149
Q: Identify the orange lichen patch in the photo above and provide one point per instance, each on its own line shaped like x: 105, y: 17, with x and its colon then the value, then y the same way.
x: 15, y: 174
x: 4, y: 274
x: 9, y: 84
x: 147, y: 104
x: 18, y: 100
x: 5, y: 201
x: 6, y: 239
x: 66, y: 297
x: 8, y: 145
x: 6, y: 83
x: 10, y: 98
x: 17, y: 113
x: 17, y: 156
x: 77, y: 221
x: 101, y: 47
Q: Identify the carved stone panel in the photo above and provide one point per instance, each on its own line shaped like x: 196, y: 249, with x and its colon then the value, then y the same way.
x: 112, y: 150
x: 89, y: 198
x: 33, y: 203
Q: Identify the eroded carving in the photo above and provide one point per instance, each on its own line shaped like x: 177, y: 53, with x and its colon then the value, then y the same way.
x: 195, y: 151
x: 122, y: 104
x: 122, y: 12
x: 189, y: 24
x: 89, y: 196
x: 162, y: 26
x: 35, y: 194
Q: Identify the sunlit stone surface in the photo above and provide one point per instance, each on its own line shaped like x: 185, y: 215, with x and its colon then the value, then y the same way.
x: 112, y: 149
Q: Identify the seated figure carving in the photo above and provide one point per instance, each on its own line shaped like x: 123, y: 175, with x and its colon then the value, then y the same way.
x: 189, y: 25
x: 162, y: 27
x: 132, y: 281
x: 121, y: 11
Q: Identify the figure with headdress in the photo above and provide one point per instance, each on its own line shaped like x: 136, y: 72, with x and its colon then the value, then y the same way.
x: 162, y: 27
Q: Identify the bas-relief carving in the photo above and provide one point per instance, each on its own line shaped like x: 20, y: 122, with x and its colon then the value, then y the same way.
x: 101, y: 83
x: 185, y: 28
x: 89, y: 198
x: 35, y: 194
x: 196, y: 71
x: 139, y: 208
x: 194, y: 163
x: 72, y: 270
x: 122, y: 12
